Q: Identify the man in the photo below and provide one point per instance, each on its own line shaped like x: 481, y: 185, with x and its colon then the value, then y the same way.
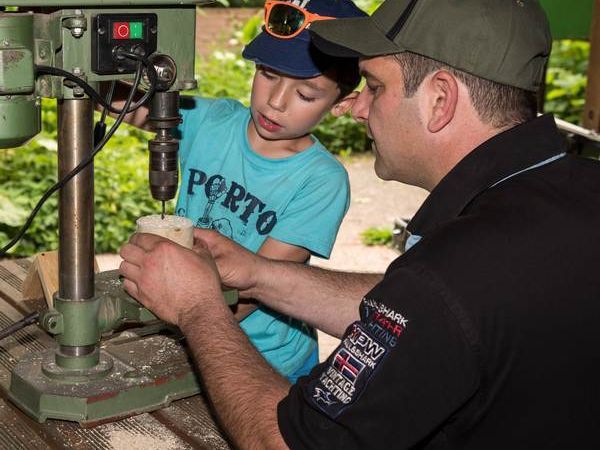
x: 482, y: 335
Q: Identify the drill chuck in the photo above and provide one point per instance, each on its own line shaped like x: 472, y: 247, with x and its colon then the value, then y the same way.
x: 163, y: 173
x: 163, y: 169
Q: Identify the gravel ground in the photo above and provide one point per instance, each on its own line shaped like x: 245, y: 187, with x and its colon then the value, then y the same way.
x: 375, y: 203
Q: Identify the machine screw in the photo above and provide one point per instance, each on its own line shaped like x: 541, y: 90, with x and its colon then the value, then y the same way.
x: 76, y: 24
x: 52, y: 322
x: 78, y: 90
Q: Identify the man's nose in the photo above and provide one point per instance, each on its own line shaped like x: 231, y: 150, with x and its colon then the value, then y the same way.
x: 360, y: 108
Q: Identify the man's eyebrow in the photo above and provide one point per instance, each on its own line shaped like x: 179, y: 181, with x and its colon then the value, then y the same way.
x: 365, y: 73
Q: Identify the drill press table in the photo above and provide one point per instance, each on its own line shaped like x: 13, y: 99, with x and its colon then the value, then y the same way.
x: 185, y: 424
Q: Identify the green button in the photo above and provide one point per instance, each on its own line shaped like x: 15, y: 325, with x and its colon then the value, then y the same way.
x: 135, y: 30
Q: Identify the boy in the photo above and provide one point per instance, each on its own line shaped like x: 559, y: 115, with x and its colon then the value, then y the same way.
x: 259, y: 177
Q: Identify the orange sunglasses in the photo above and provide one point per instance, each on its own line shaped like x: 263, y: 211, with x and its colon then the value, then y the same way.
x: 285, y: 20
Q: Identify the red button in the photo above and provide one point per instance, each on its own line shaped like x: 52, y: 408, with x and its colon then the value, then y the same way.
x: 120, y: 30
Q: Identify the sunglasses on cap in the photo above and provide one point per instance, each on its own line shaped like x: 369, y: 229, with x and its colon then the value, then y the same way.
x: 285, y: 20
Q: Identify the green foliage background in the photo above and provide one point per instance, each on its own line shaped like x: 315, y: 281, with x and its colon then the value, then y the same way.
x: 121, y: 185
x: 376, y: 236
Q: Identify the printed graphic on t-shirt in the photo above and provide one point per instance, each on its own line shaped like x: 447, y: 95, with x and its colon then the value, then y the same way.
x: 225, y: 205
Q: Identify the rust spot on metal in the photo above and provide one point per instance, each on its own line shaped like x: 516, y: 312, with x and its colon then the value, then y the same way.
x: 101, y: 397
x: 12, y: 56
x: 161, y: 380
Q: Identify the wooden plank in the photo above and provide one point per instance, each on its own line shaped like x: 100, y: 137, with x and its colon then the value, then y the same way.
x: 11, y: 280
x: 42, y: 279
x: 18, y: 432
x: 591, y: 111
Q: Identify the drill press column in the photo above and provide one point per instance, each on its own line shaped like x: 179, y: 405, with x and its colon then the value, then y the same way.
x: 75, y: 298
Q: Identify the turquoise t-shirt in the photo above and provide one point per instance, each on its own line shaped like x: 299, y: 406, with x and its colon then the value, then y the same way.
x: 299, y: 200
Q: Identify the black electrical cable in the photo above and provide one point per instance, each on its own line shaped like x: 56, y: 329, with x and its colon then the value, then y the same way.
x: 19, y: 324
x: 90, y: 92
x: 81, y: 165
x: 100, y: 127
x: 151, y: 71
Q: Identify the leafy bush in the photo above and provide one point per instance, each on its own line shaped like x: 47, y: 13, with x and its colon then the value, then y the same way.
x: 376, y: 236
x: 566, y: 79
x: 121, y: 188
x: 224, y: 74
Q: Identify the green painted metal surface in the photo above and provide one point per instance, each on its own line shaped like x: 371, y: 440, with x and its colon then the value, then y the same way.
x: 20, y: 120
x: 145, y: 373
x: 19, y: 109
x: 569, y: 19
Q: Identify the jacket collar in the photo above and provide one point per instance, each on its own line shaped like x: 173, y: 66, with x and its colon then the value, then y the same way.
x: 500, y: 157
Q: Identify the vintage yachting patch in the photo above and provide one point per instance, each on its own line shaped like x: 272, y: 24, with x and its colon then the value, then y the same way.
x: 347, y: 370
x: 384, y: 323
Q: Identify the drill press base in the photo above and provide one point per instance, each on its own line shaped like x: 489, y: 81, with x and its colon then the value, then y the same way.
x: 148, y: 373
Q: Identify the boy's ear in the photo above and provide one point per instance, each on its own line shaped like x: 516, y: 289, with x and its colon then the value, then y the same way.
x: 344, y: 105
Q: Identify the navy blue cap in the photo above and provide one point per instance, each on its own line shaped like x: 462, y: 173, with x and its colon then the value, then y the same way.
x: 297, y: 57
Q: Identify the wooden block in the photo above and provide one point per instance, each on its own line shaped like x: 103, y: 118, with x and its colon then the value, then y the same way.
x: 12, y: 274
x: 42, y: 278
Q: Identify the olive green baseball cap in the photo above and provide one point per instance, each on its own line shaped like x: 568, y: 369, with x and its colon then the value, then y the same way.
x: 507, y: 41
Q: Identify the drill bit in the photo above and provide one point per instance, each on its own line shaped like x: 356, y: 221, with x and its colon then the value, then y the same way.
x: 162, y: 214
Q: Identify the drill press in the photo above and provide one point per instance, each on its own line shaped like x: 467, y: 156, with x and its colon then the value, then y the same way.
x: 86, y: 378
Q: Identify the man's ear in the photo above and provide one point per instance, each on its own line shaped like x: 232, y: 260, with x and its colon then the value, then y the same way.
x: 344, y: 105
x: 442, y: 88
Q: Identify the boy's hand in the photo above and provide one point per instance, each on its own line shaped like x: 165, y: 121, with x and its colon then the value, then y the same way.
x: 237, y: 266
x: 170, y: 280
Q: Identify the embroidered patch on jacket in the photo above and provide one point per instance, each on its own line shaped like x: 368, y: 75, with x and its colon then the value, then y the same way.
x: 384, y: 323
x: 347, y: 371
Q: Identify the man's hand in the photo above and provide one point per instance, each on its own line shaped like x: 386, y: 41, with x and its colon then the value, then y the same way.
x: 170, y: 280
x: 237, y: 266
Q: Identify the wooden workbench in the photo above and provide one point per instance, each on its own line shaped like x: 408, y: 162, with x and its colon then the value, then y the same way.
x: 185, y: 424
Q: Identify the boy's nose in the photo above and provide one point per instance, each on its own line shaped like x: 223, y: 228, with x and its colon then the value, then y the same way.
x: 277, y: 99
x: 360, y: 108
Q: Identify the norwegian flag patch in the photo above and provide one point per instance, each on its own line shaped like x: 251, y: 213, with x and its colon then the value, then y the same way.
x: 347, y: 371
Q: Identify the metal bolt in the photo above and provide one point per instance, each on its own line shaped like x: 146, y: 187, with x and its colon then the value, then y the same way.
x: 77, y: 71
x: 77, y: 32
x: 5, y: 42
x: 43, y: 53
x: 101, y: 30
x: 78, y: 12
x: 78, y: 91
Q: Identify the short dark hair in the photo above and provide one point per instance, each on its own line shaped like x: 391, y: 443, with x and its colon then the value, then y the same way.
x: 345, y: 72
x: 497, y: 104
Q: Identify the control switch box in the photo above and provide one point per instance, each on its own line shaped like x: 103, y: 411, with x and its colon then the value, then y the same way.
x: 115, y: 33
